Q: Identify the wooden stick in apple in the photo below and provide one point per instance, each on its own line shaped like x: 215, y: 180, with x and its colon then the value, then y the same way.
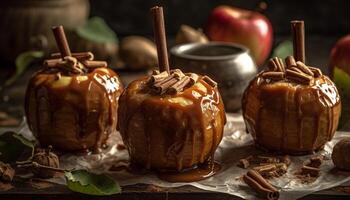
x: 298, y: 35
x: 160, y: 38
x: 61, y: 41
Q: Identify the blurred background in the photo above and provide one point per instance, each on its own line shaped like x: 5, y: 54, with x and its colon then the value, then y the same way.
x: 103, y: 26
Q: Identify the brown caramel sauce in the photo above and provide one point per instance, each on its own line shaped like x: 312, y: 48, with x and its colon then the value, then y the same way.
x: 184, y: 148
x: 199, y: 173
x: 91, y: 100
x: 298, y: 103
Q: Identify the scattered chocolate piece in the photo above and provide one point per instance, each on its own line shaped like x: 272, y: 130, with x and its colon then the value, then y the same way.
x: 121, y: 147
x: 286, y: 159
x: 6, y: 172
x: 5, y: 186
x: 244, y: 163
x: 311, y: 171
x: 315, y: 161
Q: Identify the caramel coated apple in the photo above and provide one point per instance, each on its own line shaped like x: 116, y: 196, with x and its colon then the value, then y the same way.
x: 73, y: 112
x: 293, y: 109
x: 171, y: 131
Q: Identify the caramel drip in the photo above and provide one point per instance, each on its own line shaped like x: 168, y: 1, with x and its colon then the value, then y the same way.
x: 300, y: 117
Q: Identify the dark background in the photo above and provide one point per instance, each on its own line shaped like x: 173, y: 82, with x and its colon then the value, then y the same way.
x: 322, y: 17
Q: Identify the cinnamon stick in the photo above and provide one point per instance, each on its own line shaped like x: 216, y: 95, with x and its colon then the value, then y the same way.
x: 290, y: 61
x: 317, y: 72
x: 193, y: 78
x: 51, y: 62
x: 278, y: 64
x: 304, y: 68
x: 298, y: 77
x: 158, y: 77
x: 272, y: 65
x: 273, y: 75
x: 261, y: 180
x: 163, y: 85
x: 79, y: 55
x: 61, y: 41
x: 94, y: 63
x: 160, y: 38
x: 298, y: 35
x: 179, y: 86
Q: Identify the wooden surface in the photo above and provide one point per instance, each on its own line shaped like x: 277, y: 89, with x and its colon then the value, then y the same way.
x: 145, y: 192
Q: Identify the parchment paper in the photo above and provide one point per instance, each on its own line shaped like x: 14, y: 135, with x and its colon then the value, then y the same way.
x: 235, y: 145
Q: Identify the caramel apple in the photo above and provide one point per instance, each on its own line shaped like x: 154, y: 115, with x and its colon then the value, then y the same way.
x: 171, y: 121
x: 291, y: 107
x: 72, y: 102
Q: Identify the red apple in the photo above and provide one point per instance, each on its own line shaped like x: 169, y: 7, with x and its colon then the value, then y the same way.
x: 340, y: 55
x: 245, y: 27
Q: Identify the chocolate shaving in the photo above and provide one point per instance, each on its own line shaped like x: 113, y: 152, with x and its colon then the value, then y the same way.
x: 317, y: 72
x: 304, y: 68
x: 158, y: 77
x: 51, y: 62
x: 6, y: 172
x: 79, y: 55
x: 210, y: 81
x: 298, y: 77
x: 268, y: 159
x: 278, y: 64
x: 260, y: 185
x: 162, y: 86
x: 311, y: 171
x: 296, y: 69
x: 272, y: 65
x: 315, y: 161
x: 94, y: 63
x: 273, y: 75
x: 179, y: 86
x: 266, y: 170
x: 290, y: 61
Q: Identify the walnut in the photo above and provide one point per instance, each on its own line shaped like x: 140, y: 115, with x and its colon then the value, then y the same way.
x: 340, y: 154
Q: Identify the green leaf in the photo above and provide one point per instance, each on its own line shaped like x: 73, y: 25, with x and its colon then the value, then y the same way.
x: 283, y: 49
x: 85, y: 182
x: 23, y: 61
x: 14, y: 147
x: 96, y: 30
x: 342, y: 81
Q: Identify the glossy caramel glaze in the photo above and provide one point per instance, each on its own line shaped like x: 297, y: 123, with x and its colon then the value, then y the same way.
x: 73, y: 112
x: 171, y: 132
x: 289, y: 117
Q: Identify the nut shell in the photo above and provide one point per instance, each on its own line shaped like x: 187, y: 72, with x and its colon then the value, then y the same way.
x: 45, y: 158
x: 340, y: 154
